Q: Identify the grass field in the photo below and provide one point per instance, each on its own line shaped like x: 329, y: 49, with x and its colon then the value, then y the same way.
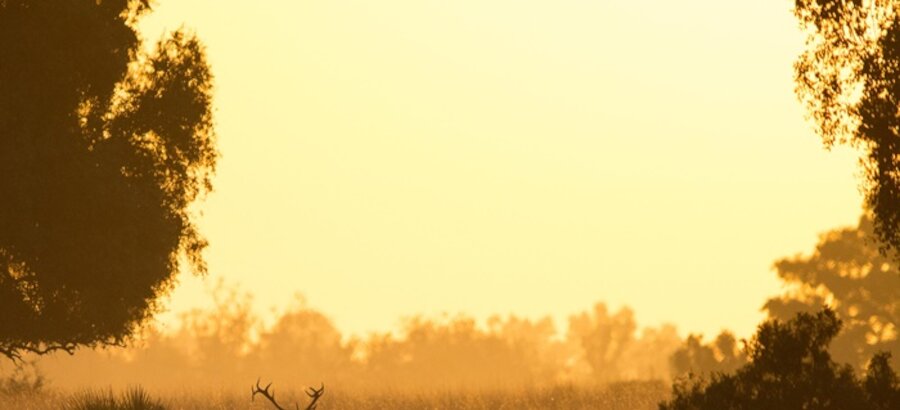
x: 628, y: 395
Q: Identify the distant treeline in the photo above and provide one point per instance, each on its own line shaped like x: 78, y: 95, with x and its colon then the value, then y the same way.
x: 227, y: 346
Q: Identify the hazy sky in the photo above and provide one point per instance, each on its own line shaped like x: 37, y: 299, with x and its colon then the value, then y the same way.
x: 506, y: 156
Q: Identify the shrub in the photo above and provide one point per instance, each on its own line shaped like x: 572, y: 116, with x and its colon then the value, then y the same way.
x: 790, y: 368
x: 135, y: 398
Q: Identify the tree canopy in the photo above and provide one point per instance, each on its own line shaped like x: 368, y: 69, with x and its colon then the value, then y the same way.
x: 846, y: 271
x: 103, y: 147
x: 849, y: 79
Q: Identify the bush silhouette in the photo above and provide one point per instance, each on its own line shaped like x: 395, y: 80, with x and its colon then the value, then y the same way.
x: 790, y: 368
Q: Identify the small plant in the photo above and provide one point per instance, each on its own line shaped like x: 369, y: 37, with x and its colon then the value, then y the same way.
x: 135, y: 398
x: 25, y: 379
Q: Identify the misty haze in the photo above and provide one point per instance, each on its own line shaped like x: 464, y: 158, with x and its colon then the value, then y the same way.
x: 422, y: 204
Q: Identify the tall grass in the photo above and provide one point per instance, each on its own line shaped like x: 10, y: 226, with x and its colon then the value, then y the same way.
x: 134, y: 398
x: 616, y: 396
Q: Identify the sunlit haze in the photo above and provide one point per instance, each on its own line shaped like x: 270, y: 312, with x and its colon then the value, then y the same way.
x: 386, y: 159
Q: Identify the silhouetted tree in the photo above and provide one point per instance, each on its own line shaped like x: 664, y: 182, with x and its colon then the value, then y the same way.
x: 103, y: 146
x: 215, y: 339
x: 847, y: 271
x: 790, y: 368
x: 648, y: 357
x: 304, y: 346
x: 849, y: 79
x: 881, y: 385
x: 534, y: 341
x: 723, y: 355
x: 464, y: 355
x: 604, y: 339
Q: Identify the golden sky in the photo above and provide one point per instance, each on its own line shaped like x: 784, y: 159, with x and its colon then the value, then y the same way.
x: 387, y: 158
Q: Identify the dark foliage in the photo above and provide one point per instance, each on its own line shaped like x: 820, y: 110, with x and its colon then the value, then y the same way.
x: 849, y: 78
x: 790, y: 368
x: 846, y: 271
x: 723, y: 355
x: 102, y: 149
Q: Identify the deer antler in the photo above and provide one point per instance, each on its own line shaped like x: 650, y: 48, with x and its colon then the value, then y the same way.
x: 314, y: 394
x: 265, y: 392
